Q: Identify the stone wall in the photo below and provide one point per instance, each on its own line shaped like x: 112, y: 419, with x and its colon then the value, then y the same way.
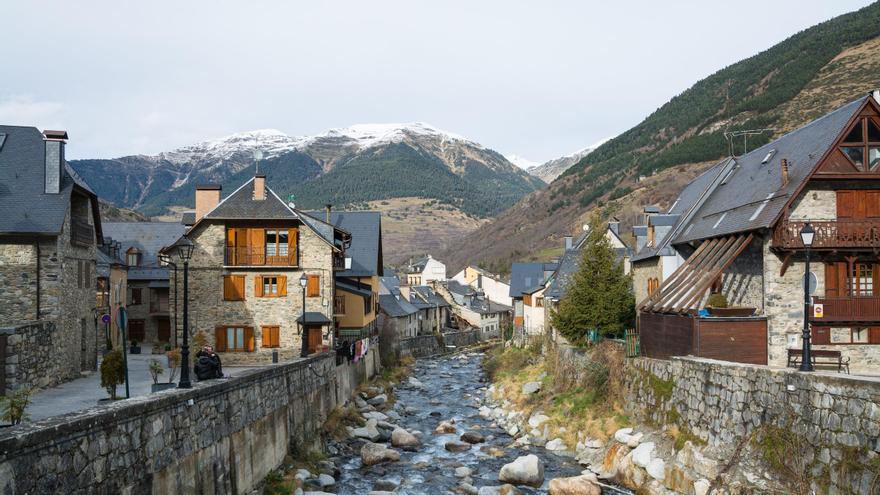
x: 31, y: 357
x: 18, y: 277
x: 430, y: 345
x: 222, y: 436
x: 641, y: 272
x: 743, y: 282
x: 725, y: 403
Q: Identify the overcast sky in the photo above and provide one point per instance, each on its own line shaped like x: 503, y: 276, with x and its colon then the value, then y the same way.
x: 536, y: 79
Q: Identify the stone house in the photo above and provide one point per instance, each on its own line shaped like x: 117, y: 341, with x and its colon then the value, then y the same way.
x: 149, y: 288
x: 425, y: 270
x: 110, y: 292
x: 396, y: 314
x: 50, y: 229
x: 411, y: 310
x: 527, y: 292
x: 495, y: 289
x: 741, y: 239
x: 251, y: 252
x: 473, y: 306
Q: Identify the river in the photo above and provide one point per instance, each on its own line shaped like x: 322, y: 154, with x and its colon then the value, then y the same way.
x: 450, y: 389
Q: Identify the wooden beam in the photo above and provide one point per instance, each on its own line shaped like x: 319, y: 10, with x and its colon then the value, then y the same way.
x: 696, y: 270
x: 722, y: 264
x: 681, y: 273
x: 685, y: 293
x: 786, y: 261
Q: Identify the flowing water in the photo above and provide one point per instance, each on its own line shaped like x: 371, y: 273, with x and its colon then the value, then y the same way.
x: 450, y: 389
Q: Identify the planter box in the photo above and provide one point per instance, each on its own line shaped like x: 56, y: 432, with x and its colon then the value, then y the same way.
x: 731, y: 312
x: 158, y: 387
x: 134, y: 350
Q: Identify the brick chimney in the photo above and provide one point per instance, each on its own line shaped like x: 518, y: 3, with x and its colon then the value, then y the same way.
x: 54, y: 163
x: 207, y: 197
x: 327, y: 208
x: 783, y: 165
x: 259, y: 187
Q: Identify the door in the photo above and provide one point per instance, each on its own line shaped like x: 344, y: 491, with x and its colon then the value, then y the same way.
x: 314, y: 338
x: 164, y: 330
x: 136, y: 331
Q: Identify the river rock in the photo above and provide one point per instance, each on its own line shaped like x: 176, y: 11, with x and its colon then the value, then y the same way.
x: 531, y: 388
x: 468, y: 489
x: 622, y: 435
x: 485, y: 412
x: 498, y: 490
x: 701, y: 486
x: 576, y: 485
x: 378, y: 400
x: 463, y: 472
x: 326, y: 480
x: 657, y: 469
x: 456, y: 446
x: 538, y: 419
x: 556, y: 444
x: 594, y: 444
x: 513, y: 430
x: 641, y: 456
x: 378, y: 416
x: 446, y: 427
x: 525, y: 470
x: 369, y: 431
x: 384, y: 486
x: 404, y: 439
x: 471, y: 436
x: 414, y: 382
x: 634, y: 440
x: 374, y: 453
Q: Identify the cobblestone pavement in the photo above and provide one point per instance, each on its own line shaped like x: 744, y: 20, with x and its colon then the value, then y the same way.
x: 84, y: 393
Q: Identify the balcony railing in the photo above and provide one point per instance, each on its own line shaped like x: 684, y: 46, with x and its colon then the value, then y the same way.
x: 248, y: 256
x: 830, y: 234
x: 81, y: 233
x: 848, y: 309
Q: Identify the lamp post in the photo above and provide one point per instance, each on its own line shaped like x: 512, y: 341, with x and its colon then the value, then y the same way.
x: 184, y: 251
x: 303, y: 281
x: 166, y: 259
x: 807, y: 234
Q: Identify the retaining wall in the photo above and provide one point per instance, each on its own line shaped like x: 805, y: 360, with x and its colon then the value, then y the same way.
x: 430, y: 345
x: 221, y: 436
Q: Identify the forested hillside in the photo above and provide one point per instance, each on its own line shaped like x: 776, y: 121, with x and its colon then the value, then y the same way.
x: 776, y: 90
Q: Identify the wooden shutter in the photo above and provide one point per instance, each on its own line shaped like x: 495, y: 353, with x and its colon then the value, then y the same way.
x: 249, y: 339
x: 872, y: 204
x: 282, y: 285
x: 820, y: 335
x: 313, y: 286
x: 220, y: 339
x: 846, y: 204
x: 293, y: 242
x: 832, y: 286
x: 257, y: 246
x: 276, y: 337
x: 266, y: 338
x: 233, y: 287
x: 874, y: 335
x: 258, y: 286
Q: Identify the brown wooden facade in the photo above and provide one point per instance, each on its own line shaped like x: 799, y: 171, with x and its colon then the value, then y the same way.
x: 742, y: 340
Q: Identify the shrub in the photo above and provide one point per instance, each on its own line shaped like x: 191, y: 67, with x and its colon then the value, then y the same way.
x: 112, y: 372
x: 156, y: 369
x: 174, y: 357
x: 717, y: 300
x: 14, y: 406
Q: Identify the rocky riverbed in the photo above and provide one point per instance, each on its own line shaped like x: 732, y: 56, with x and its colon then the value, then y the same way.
x: 433, y: 440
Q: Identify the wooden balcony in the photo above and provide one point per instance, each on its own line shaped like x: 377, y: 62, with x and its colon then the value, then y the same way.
x: 848, y: 309
x: 248, y: 256
x: 81, y: 233
x: 830, y: 234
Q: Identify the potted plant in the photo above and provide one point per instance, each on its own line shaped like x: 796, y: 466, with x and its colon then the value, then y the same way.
x: 157, y: 369
x: 174, y: 358
x: 15, y: 405
x: 135, y: 347
x: 167, y: 347
x: 718, y: 306
x: 157, y: 348
x: 112, y: 373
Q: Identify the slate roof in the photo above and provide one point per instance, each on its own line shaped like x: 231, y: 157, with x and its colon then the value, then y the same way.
x: 365, y: 250
x: 524, y: 276
x: 752, y: 195
x: 188, y: 218
x: 388, y: 283
x: 396, y: 306
x: 456, y: 287
x: 25, y: 208
x: 155, y: 273
x: 353, y: 287
x: 148, y: 237
x: 418, y: 266
x: 313, y: 317
x: 424, y: 297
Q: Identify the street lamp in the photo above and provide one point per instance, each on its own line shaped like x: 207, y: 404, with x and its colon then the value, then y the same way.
x: 166, y: 259
x: 185, y: 248
x: 303, y: 281
x: 807, y: 235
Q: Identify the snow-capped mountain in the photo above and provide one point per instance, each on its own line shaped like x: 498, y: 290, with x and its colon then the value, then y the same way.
x: 341, y: 166
x: 551, y: 169
x: 521, y: 162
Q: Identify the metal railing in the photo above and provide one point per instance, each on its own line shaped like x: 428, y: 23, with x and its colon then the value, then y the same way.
x: 250, y: 256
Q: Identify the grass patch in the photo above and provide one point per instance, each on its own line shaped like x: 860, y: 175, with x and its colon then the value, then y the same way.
x: 339, y: 419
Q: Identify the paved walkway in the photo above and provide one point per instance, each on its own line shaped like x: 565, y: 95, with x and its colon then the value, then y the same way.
x: 84, y: 393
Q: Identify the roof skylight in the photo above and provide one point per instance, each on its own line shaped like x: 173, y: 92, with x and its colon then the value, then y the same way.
x: 2, y: 140
x: 768, y: 157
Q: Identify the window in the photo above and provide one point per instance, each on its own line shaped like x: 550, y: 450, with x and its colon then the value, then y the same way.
x: 277, y: 243
x: 862, y: 144
x: 861, y: 282
x: 233, y: 287
x: 271, y: 336
x: 234, y: 339
x: 136, y: 297
x: 133, y: 257
x: 258, y: 246
x: 653, y: 285
x: 339, y: 305
x: 270, y: 286
x: 79, y: 274
x: 103, y: 292
x: 845, y: 335
x: 313, y: 287
x: 87, y: 278
x: 539, y: 302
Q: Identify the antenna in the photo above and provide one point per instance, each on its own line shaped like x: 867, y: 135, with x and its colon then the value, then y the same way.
x: 745, y: 133
x: 290, y: 200
x: 258, y: 155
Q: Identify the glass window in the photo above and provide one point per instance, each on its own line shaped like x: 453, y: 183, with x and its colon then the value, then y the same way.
x: 855, y: 135
x: 873, y: 132
x: 271, y: 236
x: 862, y: 283
x: 235, y: 338
x: 856, y: 154
x: 282, y: 243
x: 860, y: 335
x: 270, y: 286
x: 874, y: 157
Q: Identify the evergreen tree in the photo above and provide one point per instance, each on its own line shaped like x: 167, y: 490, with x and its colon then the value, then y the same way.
x: 599, y: 294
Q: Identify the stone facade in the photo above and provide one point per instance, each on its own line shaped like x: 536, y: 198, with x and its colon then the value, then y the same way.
x: 208, y: 309
x: 222, y: 436
x: 27, y: 348
x: 743, y: 282
x: 643, y: 270
x: 725, y: 403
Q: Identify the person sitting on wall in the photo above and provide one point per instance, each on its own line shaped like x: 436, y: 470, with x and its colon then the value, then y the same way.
x: 207, y: 365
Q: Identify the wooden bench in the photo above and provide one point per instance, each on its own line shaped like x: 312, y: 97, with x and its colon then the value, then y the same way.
x: 821, y: 357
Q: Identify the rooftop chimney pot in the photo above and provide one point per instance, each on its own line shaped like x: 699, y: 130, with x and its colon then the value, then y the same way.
x: 783, y: 164
x: 54, y: 160
x: 259, y: 187
x: 327, y: 208
x: 207, y: 197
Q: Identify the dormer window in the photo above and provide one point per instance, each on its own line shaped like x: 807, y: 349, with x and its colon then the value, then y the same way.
x: 862, y: 144
x: 133, y: 257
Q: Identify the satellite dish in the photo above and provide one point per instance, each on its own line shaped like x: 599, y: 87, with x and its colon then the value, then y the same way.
x: 258, y: 155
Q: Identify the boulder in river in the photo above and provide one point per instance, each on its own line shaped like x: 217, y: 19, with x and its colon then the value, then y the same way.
x: 576, y: 485
x: 471, y: 436
x: 556, y: 444
x: 525, y: 470
x: 404, y: 439
x: 456, y: 446
x: 498, y: 490
x: 378, y: 400
x: 375, y: 453
x: 446, y: 427
x: 368, y: 432
x: 538, y: 419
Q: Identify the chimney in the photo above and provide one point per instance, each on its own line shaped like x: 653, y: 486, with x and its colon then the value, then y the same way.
x: 783, y: 164
x: 614, y: 225
x: 54, y: 166
x: 404, y: 291
x: 568, y: 242
x: 259, y: 188
x: 327, y: 208
x: 207, y: 197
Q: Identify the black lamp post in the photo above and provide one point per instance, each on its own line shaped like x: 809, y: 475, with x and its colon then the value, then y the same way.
x: 807, y: 234
x: 303, y: 281
x: 184, y: 250
x: 166, y: 259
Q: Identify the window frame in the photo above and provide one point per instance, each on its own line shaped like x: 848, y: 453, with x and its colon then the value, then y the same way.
x: 273, y: 332
x: 135, y: 301
x: 247, y: 334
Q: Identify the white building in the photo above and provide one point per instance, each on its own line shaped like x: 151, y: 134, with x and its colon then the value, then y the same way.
x: 492, y: 286
x: 424, y: 271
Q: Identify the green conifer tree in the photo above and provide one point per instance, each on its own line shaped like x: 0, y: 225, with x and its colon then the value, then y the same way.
x: 599, y: 295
